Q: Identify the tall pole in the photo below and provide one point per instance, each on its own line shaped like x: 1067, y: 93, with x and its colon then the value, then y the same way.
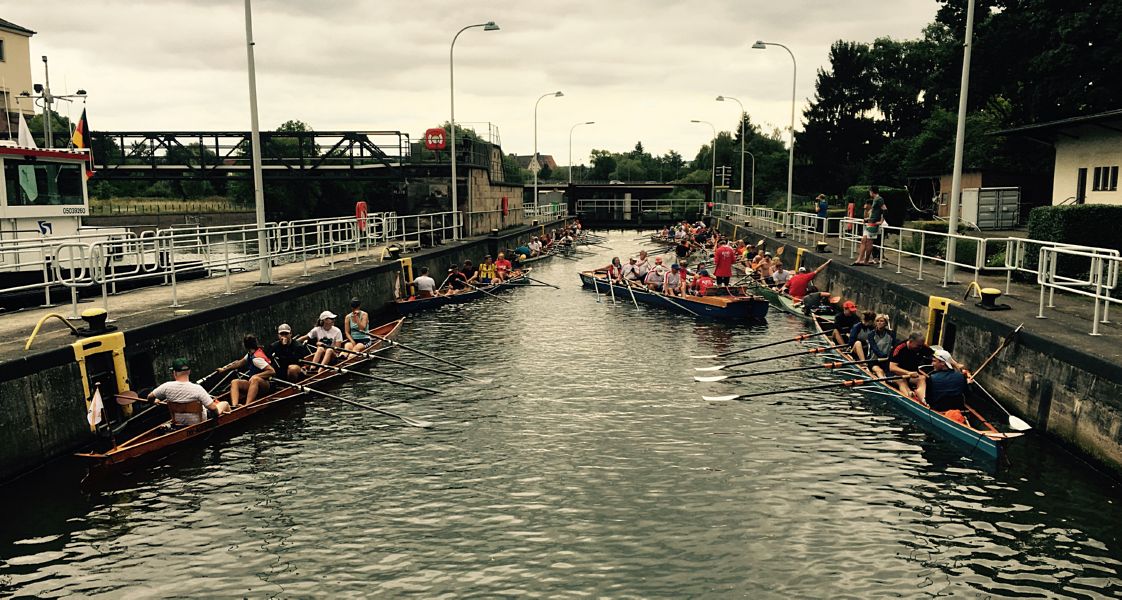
x: 959, y: 143
x: 48, y: 135
x: 713, y: 162
x: 255, y: 143
x: 488, y: 26
x: 760, y: 45
x: 535, y: 158
x: 753, y: 176
x: 742, y: 119
x: 575, y: 125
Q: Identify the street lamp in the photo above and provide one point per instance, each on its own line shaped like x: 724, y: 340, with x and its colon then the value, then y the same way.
x: 959, y: 141
x: 753, y: 176
x: 762, y: 45
x: 713, y: 163
x: 556, y: 94
x: 742, y: 113
x: 264, y: 262
x: 488, y: 26
x: 571, y: 147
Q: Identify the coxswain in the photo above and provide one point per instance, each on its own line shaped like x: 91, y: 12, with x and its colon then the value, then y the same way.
x: 502, y: 267
x: 356, y: 327
x: 905, y: 362
x: 523, y: 250
x: 287, y: 353
x: 182, y: 389
x: 797, y: 285
x: 259, y: 369
x: 423, y: 285
x: 326, y: 337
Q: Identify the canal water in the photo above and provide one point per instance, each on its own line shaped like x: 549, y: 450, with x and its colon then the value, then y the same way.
x: 589, y: 466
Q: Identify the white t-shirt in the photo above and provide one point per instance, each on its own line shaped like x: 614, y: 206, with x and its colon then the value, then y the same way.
x: 781, y: 276
x: 424, y: 283
x: 184, y: 391
x: 330, y: 336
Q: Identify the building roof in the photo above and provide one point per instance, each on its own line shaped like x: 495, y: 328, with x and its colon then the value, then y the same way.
x: 10, y: 26
x: 1111, y: 119
x: 545, y: 159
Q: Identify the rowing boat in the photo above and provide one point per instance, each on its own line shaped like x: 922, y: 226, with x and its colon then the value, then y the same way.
x: 730, y: 303
x: 415, y: 304
x: 978, y: 435
x: 164, y: 437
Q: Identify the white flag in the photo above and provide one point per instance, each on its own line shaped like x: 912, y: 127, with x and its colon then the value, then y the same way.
x: 25, y: 138
x: 93, y: 415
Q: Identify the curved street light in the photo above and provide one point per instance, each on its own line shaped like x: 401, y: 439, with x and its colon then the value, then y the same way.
x: 742, y: 113
x: 556, y: 94
x: 575, y: 125
x: 762, y: 45
x: 488, y: 26
x: 713, y: 162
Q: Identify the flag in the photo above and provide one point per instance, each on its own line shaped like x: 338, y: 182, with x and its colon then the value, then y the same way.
x: 81, y: 140
x: 25, y: 138
x: 93, y: 414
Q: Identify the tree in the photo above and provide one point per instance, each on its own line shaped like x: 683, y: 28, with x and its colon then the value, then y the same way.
x: 603, y: 165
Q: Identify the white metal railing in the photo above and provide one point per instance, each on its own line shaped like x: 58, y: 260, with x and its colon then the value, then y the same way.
x: 1100, y: 282
x: 552, y: 211
x: 627, y: 209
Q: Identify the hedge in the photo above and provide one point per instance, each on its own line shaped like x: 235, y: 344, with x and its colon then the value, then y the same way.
x: 1082, y: 224
x: 936, y: 246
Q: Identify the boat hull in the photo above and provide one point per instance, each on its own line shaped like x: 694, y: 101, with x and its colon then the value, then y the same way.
x: 739, y: 309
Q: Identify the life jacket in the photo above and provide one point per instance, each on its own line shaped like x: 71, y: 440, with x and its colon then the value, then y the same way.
x: 487, y: 271
x: 252, y: 368
x: 956, y: 416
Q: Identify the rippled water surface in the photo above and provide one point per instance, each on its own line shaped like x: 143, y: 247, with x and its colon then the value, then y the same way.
x: 589, y: 466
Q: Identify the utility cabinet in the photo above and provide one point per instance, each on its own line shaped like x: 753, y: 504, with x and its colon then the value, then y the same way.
x: 992, y: 208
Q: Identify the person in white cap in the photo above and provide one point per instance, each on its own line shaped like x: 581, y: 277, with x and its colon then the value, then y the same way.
x: 326, y: 337
x: 946, y: 384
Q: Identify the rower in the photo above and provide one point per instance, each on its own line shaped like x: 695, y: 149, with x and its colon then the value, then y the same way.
x: 523, y: 250
x: 906, y: 359
x: 487, y: 272
x: 860, y: 332
x: 424, y: 285
x: 502, y: 267
x: 654, y: 277
x: 614, y: 270
x: 878, y: 345
x: 356, y: 327
x: 469, y: 271
x: 182, y: 390
x: 673, y: 284
x: 703, y: 282
x: 630, y: 272
x: 797, y: 285
x: 456, y: 280
x: 844, y: 322
x: 326, y: 337
x: 779, y: 274
x: 258, y: 368
x: 287, y: 354
x: 946, y: 384
x: 643, y: 266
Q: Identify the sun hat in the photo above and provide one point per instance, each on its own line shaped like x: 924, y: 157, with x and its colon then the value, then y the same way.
x: 326, y: 315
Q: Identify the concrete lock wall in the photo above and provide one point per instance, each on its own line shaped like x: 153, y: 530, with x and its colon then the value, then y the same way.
x: 42, y: 409
x: 1067, y: 393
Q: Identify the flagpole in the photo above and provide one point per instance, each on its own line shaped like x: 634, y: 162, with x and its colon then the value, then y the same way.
x: 255, y: 143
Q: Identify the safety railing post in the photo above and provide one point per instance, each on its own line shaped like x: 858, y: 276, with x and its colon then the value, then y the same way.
x: 171, y: 269
x: 900, y: 253
x: 1097, y: 275
x: 226, y: 245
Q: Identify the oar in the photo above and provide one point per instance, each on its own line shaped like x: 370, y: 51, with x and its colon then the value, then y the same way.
x: 631, y: 290
x: 1005, y: 342
x: 220, y: 382
x: 776, y: 357
x: 369, y: 376
x: 407, y: 420
x: 409, y: 364
x: 412, y: 349
x: 487, y: 292
x: 797, y: 338
x: 542, y: 282
x: 829, y: 365
x: 670, y: 300
x: 611, y: 286
x: 847, y: 383
x: 1015, y: 422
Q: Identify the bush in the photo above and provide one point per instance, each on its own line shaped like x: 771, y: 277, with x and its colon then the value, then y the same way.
x: 1082, y: 224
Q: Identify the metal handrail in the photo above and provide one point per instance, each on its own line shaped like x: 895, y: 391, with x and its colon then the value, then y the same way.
x: 1103, y: 269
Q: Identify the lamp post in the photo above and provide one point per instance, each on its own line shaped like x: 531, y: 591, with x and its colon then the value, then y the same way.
x: 556, y: 94
x: 266, y: 276
x: 762, y: 45
x: 575, y: 125
x: 488, y: 26
x: 959, y: 143
x: 753, y: 175
x: 742, y: 113
x: 713, y: 163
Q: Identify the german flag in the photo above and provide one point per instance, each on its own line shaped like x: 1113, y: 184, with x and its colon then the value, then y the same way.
x: 81, y: 140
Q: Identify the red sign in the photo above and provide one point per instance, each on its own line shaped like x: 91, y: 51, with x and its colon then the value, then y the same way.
x: 361, y: 214
x: 435, y: 138
x: 506, y: 206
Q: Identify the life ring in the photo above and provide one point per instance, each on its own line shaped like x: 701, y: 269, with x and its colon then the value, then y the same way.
x: 361, y: 215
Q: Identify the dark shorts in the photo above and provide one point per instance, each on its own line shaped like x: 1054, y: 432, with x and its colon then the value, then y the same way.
x: 723, y: 280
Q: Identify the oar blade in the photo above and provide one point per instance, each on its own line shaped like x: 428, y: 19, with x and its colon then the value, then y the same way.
x: 720, y: 398
x: 1018, y: 424
x: 709, y: 369
x: 416, y: 423
x: 704, y: 356
x: 711, y: 379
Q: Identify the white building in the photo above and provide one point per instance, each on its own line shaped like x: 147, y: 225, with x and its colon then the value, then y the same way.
x: 1088, y: 154
x: 15, y: 73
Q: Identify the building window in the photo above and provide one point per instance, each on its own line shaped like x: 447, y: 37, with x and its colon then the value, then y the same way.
x: 1, y: 50
x: 1105, y: 179
x: 1113, y: 179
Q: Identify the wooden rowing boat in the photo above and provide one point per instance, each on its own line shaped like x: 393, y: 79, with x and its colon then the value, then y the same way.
x: 978, y: 436
x: 734, y: 304
x: 414, y: 304
x: 164, y: 438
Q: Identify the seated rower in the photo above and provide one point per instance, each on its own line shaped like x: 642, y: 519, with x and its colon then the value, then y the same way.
x: 423, y: 285
x: 702, y: 283
x: 259, y: 369
x: 614, y: 270
x: 861, y: 331
x: 326, y: 337
x: 906, y: 360
x: 456, y: 280
x: 654, y: 277
x: 779, y: 274
x: 946, y: 384
x: 487, y: 273
x: 356, y: 327
x: 182, y: 389
x: 287, y: 354
x: 844, y: 322
x: 878, y: 345
x: 502, y: 267
x: 524, y: 250
x: 673, y: 284
x: 470, y: 273
x: 629, y: 273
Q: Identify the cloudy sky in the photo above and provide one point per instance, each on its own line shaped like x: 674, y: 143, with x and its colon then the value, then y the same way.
x: 640, y: 68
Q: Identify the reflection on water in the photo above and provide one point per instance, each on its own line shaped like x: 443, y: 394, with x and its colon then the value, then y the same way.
x: 590, y: 466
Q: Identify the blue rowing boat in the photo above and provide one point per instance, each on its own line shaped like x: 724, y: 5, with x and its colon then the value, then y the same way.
x: 726, y: 304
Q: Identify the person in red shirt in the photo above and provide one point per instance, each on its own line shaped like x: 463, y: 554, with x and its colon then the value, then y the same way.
x: 502, y: 267
x: 703, y: 282
x: 796, y: 285
x: 723, y: 257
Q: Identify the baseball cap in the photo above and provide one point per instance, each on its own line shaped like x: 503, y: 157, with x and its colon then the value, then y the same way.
x: 674, y: 266
x: 284, y: 328
x: 849, y: 305
x: 802, y: 269
x: 326, y: 315
x: 180, y: 364
x: 355, y: 302
x: 944, y: 356
x: 703, y: 272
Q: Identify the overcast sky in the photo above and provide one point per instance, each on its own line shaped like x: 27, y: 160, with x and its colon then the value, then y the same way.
x: 640, y: 68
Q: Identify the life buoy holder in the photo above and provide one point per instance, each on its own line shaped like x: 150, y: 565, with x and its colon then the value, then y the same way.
x: 435, y: 138
x: 361, y: 215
